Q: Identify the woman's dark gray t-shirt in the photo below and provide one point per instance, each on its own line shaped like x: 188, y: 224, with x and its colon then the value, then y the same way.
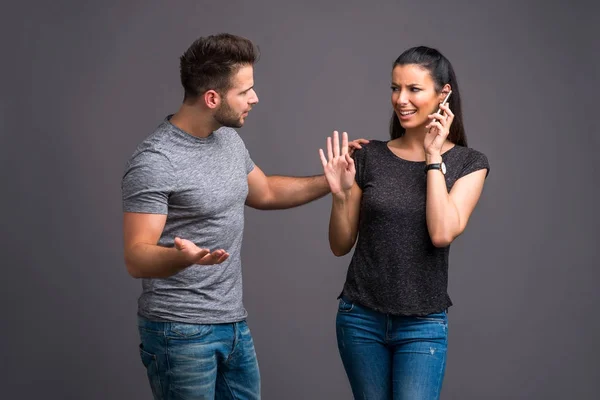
x: 395, y: 268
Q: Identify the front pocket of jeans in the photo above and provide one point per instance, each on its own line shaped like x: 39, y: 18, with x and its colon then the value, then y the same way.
x: 438, y: 317
x: 190, y: 330
x: 150, y: 361
x: 345, y: 306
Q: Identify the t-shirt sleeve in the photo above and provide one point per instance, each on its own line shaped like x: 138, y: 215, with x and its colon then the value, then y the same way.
x: 147, y: 183
x: 248, y: 160
x: 475, y: 161
x: 240, y: 148
x: 359, y: 166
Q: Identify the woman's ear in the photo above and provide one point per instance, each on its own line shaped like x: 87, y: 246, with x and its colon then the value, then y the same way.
x: 445, y: 90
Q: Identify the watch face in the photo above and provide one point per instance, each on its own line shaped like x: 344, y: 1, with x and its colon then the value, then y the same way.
x: 444, y: 168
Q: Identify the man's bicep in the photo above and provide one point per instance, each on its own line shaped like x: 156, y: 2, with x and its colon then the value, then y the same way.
x: 142, y: 228
x: 147, y: 184
x: 258, y: 188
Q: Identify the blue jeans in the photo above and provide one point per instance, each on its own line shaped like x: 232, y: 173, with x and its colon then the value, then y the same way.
x: 392, y: 357
x: 189, y: 361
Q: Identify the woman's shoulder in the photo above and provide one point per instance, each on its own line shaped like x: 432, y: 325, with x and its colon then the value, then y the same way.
x: 466, y: 152
x: 470, y: 159
x: 374, y: 145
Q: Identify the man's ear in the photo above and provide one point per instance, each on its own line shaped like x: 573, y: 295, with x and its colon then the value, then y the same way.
x: 212, y: 99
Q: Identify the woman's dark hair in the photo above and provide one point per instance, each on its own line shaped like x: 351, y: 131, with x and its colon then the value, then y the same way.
x: 211, y: 61
x: 442, y: 73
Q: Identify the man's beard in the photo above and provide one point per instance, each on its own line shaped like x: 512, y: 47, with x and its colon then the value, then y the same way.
x: 225, y: 116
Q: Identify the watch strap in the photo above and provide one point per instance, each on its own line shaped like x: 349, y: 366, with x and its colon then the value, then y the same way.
x: 433, y: 166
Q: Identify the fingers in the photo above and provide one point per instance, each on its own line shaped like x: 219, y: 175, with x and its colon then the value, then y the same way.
x: 446, y: 118
x: 178, y: 243
x: 202, y: 253
x: 188, y: 247
x: 219, y: 256
x: 437, y: 117
x: 350, y: 162
x: 441, y: 122
x: 336, y: 144
x: 356, y: 144
x: 446, y: 109
x: 208, y: 259
x: 436, y: 124
x: 334, y: 150
x: 223, y: 258
x: 323, y: 159
x: 216, y: 257
x: 201, y: 256
x: 344, y: 143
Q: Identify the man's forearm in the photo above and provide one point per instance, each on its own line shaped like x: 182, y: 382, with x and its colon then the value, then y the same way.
x: 288, y: 191
x: 152, y: 261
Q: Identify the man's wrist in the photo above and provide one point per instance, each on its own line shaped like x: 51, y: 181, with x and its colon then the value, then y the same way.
x: 323, y: 182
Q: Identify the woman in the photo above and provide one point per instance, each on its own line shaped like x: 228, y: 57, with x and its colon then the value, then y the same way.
x: 405, y: 200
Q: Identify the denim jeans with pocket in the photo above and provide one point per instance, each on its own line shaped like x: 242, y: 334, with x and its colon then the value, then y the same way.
x: 196, y: 361
x: 392, y: 357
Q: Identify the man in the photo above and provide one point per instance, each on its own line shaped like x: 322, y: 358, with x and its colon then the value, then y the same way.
x: 184, y: 192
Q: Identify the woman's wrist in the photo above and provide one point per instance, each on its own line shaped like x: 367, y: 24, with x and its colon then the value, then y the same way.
x: 433, y: 158
x: 341, y: 196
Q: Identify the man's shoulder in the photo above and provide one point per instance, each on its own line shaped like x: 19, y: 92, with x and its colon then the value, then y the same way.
x: 230, y: 138
x: 227, y: 133
x: 153, y: 148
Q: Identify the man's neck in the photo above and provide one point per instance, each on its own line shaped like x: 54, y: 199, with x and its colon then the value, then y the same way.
x: 194, y: 122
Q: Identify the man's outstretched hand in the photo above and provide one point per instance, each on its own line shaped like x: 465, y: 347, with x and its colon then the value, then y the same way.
x: 197, y: 255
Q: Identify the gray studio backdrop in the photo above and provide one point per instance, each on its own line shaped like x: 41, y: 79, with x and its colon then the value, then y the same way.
x: 84, y: 82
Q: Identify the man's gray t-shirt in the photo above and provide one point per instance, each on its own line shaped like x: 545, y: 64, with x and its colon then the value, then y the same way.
x: 201, y: 184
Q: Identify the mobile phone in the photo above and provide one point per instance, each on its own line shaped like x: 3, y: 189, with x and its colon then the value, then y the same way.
x: 443, y: 103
